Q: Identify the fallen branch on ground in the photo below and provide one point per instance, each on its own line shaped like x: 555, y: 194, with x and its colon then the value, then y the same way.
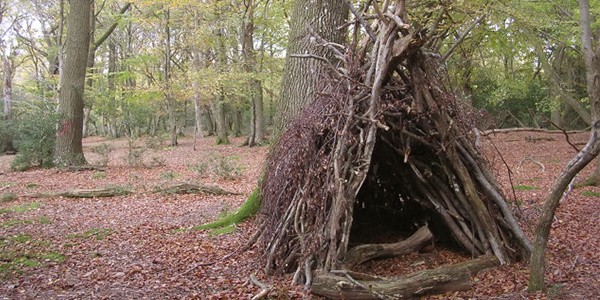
x: 265, y: 289
x: 446, y: 278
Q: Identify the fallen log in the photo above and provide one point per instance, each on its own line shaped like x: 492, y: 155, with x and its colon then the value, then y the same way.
x: 92, y: 193
x: 434, y: 281
x: 188, y: 188
x: 363, y: 253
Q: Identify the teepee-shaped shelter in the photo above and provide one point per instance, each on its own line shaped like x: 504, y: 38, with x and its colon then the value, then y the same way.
x: 384, y: 141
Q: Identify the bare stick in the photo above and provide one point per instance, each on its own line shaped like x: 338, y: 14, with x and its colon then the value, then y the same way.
x: 361, y: 20
x: 265, y: 289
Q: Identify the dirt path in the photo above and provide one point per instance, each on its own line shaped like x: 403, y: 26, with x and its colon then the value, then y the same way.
x: 141, y: 246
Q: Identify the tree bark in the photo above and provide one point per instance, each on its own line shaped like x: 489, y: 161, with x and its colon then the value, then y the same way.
x: 171, y: 103
x: 591, y: 55
x: 7, y: 139
x: 443, y: 279
x: 219, y: 100
x: 196, y: 55
x: 256, y: 129
x: 68, y: 149
x: 301, y: 75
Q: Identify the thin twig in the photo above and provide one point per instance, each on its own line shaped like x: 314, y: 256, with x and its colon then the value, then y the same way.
x: 566, y: 136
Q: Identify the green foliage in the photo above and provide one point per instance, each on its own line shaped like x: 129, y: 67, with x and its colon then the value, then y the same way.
x: 135, y: 154
x: 249, y: 208
x: 523, y: 187
x: 8, y: 197
x: 156, y: 142
x: 200, y: 168
x: 226, y: 168
x: 103, y: 150
x: 34, y: 140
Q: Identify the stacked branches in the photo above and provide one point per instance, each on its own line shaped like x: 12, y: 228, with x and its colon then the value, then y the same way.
x: 397, y: 97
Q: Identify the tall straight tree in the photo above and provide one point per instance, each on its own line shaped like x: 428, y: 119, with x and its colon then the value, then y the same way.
x: 68, y: 150
x: 591, y: 55
x: 257, y: 120
x: 301, y: 75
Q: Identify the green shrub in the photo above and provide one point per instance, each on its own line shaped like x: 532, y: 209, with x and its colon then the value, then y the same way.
x: 135, y: 154
x: 226, y: 168
x: 200, y: 168
x: 34, y: 140
x: 103, y: 150
x: 8, y: 197
x: 156, y: 142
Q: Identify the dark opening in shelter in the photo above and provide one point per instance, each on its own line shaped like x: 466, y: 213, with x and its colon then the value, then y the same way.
x: 389, y: 207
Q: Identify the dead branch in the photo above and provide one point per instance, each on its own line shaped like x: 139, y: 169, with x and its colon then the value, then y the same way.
x: 446, y: 278
x: 265, y: 289
x: 189, y: 188
x: 541, y: 165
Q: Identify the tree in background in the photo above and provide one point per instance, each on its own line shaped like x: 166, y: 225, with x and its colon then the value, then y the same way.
x: 302, y: 74
x: 68, y: 148
x: 591, y: 55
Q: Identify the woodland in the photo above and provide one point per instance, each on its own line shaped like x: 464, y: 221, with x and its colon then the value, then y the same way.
x: 339, y: 149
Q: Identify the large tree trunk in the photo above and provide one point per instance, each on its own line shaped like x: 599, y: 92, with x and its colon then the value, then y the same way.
x: 256, y: 129
x: 301, y: 75
x: 68, y: 149
x: 591, y: 55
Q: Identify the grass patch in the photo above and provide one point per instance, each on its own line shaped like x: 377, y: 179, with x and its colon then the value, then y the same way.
x: 98, y: 175
x: 20, y: 208
x: 13, y: 222
x: 223, y: 230
x: 32, y: 185
x: 21, y: 238
x: 169, y: 175
x: 97, y: 233
x: 44, y: 220
x: 524, y: 187
x: 8, y: 197
x: 20, y: 252
x: 53, y: 257
x: 590, y: 194
x: 249, y: 208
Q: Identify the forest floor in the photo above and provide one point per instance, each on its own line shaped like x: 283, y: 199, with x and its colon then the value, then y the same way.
x: 143, y: 245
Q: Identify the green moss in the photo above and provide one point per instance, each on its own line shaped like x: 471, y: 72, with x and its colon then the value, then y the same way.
x: 53, y: 257
x: 14, y: 222
x: 248, y: 209
x: 222, y: 230
x: 590, y: 194
x: 8, y: 197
